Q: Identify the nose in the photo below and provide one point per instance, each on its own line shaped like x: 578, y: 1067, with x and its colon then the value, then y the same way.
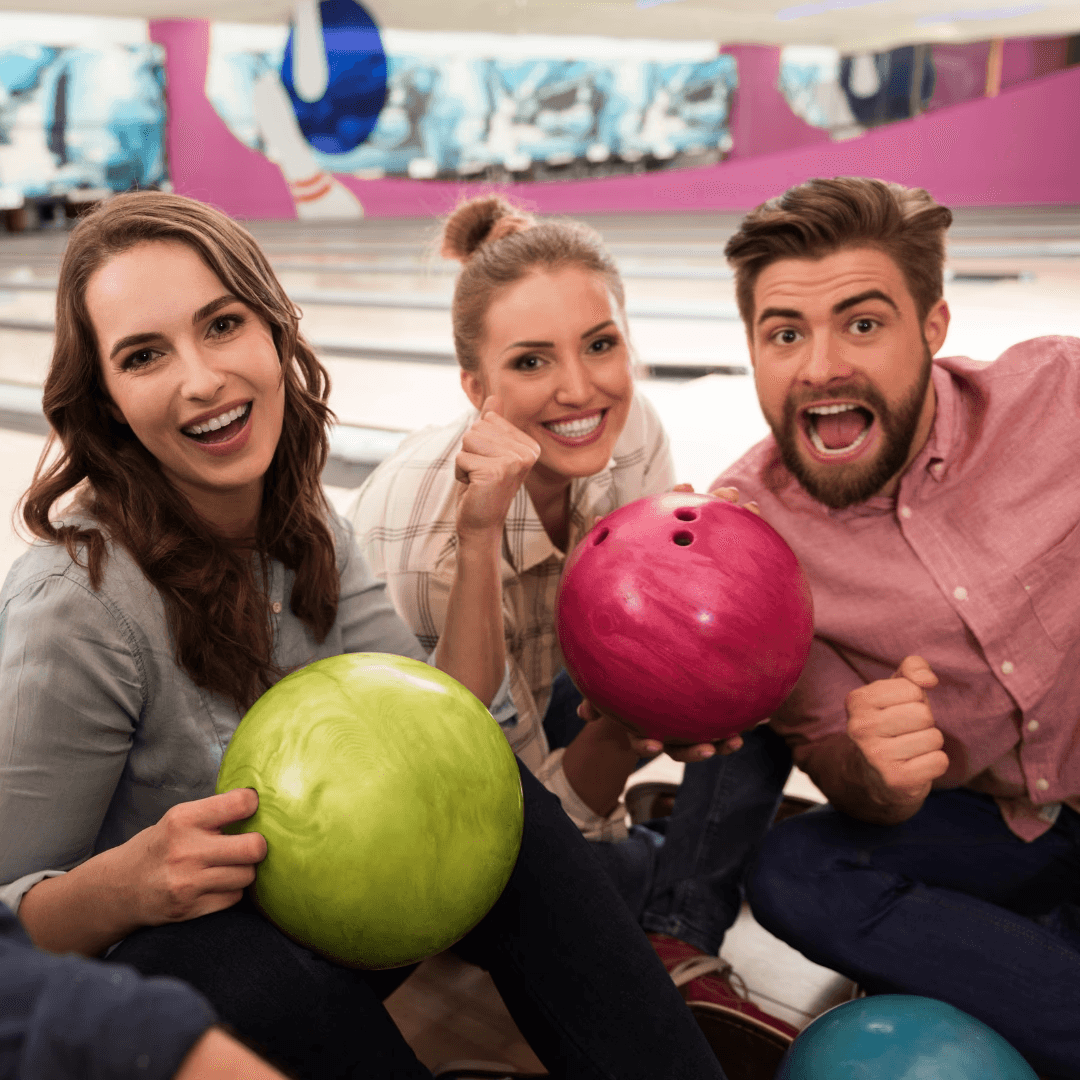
x: 200, y: 379
x: 824, y: 361
x: 575, y: 387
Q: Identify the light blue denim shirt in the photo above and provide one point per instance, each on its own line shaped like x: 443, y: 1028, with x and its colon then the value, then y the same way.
x: 101, y: 731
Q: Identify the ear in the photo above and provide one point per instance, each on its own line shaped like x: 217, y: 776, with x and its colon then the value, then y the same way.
x: 473, y: 386
x: 936, y: 326
x: 750, y: 346
x: 115, y: 413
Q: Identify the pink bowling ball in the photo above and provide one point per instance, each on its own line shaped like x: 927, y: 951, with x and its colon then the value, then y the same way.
x: 687, y: 617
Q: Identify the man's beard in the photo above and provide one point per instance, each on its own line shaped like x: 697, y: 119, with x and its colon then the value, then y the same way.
x: 840, y: 486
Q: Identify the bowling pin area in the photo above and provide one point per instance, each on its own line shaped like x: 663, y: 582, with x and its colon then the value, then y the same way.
x: 376, y: 296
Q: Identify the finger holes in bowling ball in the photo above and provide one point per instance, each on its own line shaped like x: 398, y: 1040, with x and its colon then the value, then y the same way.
x: 601, y: 536
x: 683, y: 538
x: 686, y: 514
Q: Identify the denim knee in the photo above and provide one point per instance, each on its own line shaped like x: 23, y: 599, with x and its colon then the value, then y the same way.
x: 782, y: 883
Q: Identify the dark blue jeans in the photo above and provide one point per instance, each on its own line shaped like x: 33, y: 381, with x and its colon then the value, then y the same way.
x: 682, y: 875
x: 950, y: 904
x: 576, y: 973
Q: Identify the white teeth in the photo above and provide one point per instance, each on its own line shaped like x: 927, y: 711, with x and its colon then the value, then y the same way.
x: 828, y: 410
x: 218, y: 421
x: 576, y: 429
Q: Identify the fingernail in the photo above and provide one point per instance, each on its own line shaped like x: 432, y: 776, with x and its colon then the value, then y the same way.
x: 706, y: 753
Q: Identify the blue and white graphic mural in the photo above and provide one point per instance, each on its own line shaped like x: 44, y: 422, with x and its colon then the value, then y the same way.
x: 81, y: 117
x: 476, y: 106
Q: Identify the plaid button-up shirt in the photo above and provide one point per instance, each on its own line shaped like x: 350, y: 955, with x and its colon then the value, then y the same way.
x: 404, y: 517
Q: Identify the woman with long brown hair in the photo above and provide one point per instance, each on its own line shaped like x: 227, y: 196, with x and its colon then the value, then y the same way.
x: 187, y: 558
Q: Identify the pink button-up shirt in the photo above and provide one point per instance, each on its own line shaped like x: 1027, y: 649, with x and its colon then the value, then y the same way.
x: 974, y: 565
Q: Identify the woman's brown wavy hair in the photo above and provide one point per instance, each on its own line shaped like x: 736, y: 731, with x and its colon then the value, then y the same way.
x: 214, y: 592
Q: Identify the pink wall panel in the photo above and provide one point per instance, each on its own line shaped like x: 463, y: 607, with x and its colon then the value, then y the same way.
x: 1022, y: 147
x: 206, y: 161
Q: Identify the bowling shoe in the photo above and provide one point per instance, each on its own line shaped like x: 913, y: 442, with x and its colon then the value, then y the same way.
x: 704, y: 978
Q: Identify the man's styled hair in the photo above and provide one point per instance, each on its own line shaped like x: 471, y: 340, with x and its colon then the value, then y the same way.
x: 820, y: 217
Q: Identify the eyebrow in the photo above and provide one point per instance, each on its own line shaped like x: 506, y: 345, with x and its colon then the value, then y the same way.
x: 551, y: 344
x: 870, y: 294
x: 142, y: 339
x: 851, y: 301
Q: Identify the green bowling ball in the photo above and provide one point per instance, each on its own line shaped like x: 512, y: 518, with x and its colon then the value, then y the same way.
x: 391, y: 805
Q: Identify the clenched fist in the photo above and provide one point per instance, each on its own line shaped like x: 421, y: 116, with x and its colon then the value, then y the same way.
x: 494, y: 460
x: 891, y: 723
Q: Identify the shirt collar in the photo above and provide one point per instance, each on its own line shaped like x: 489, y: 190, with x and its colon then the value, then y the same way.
x: 527, y: 543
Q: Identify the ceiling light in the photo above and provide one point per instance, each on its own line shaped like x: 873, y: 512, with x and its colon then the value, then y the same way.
x: 986, y: 15
x: 805, y: 11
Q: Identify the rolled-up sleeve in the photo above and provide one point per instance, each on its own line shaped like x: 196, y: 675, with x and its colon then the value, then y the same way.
x: 71, y: 693
x: 66, y: 1018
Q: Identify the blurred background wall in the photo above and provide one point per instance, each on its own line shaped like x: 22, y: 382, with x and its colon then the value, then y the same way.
x: 404, y: 121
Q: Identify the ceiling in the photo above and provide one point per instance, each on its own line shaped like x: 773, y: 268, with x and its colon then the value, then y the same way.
x: 851, y: 25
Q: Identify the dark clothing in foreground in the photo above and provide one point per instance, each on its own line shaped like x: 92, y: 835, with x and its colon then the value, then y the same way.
x: 67, y: 1018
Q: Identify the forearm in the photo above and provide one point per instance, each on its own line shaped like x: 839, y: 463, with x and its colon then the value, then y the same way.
x: 84, y: 911
x: 472, y: 647
x: 597, y: 764
x: 839, y: 769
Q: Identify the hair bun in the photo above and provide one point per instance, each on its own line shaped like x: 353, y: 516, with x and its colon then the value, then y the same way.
x: 481, y: 221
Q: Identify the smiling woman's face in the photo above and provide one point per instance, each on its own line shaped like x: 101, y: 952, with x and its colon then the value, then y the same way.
x: 192, y: 370
x: 555, y: 352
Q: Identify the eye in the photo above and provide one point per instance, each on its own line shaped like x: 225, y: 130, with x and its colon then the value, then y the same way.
x: 529, y: 362
x: 861, y: 327
x: 139, y: 359
x: 602, y: 345
x: 787, y: 336
x: 221, y: 325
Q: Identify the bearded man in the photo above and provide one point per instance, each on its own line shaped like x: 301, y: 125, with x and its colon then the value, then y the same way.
x: 935, y: 507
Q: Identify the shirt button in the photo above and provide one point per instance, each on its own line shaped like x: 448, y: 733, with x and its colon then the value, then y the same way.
x: 1007, y: 668
x: 960, y: 592
x: 1033, y: 725
x: 905, y: 511
x: 276, y: 607
x: 1042, y: 785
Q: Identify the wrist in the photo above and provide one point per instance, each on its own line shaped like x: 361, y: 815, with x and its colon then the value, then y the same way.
x: 479, y: 544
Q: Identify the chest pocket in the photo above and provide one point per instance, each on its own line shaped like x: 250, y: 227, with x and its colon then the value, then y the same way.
x: 1052, y: 582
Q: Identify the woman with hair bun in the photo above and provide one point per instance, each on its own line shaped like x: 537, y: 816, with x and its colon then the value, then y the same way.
x: 186, y: 559
x: 540, y: 332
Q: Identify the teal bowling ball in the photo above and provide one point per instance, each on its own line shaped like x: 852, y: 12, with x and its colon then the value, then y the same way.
x: 901, y: 1037
x: 391, y: 805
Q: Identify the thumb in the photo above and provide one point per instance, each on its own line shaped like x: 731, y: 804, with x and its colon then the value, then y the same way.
x: 916, y: 670
x: 492, y: 403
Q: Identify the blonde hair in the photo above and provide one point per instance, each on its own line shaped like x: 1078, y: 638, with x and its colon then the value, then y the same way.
x: 499, y: 244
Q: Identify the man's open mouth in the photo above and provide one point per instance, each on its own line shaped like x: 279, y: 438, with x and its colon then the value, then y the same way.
x: 220, y: 428
x: 838, y: 429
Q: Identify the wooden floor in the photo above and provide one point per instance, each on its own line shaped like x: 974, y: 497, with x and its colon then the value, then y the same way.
x: 450, y: 1011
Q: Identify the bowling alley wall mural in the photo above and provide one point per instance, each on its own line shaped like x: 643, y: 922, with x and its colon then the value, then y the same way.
x: 334, y: 117
x: 81, y: 117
